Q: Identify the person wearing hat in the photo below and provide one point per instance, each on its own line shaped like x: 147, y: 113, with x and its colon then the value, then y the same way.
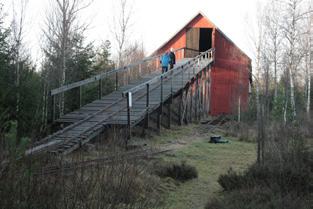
x: 172, y: 58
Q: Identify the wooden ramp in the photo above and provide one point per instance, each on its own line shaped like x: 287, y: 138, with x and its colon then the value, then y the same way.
x: 127, y: 106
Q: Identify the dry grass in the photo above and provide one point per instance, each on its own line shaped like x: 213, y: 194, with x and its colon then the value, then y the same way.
x: 210, y: 160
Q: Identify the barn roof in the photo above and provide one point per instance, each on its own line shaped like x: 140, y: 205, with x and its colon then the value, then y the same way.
x: 185, y: 26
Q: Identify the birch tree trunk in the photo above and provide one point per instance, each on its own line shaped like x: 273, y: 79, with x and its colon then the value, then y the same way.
x: 292, y: 94
x: 62, y: 23
x: 308, y: 104
x: 121, y: 28
x: 309, y: 65
x: 17, y: 33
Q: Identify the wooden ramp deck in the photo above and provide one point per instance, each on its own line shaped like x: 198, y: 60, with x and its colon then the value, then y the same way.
x: 147, y: 94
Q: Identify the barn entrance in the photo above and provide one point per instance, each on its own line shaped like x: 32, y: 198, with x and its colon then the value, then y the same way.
x: 198, y: 40
x: 205, y: 42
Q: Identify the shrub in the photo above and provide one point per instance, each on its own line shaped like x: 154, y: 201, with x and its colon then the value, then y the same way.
x: 231, y: 180
x: 285, y: 177
x: 260, y: 198
x: 178, y: 171
x: 123, y: 183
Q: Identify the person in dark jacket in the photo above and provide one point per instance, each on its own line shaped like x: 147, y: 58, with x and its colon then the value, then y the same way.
x: 172, y: 58
x: 165, y: 61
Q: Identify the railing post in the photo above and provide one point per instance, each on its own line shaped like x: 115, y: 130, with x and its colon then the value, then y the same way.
x: 100, y: 88
x: 147, y: 104
x: 140, y: 69
x: 128, y: 75
x: 161, y: 89
x: 170, y: 105
x: 182, y: 76
x: 161, y: 106
x: 172, y: 86
x: 116, y: 80
x: 80, y: 96
x: 129, y: 104
x: 52, y: 108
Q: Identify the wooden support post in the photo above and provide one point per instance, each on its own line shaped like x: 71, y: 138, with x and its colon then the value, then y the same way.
x: 199, y: 98
x: 186, y: 108
x: 80, y: 96
x: 169, y: 114
x: 147, y: 105
x: 209, y: 89
x: 180, y: 108
x: 194, y: 71
x: 191, y: 98
x: 129, y: 104
x: 205, y: 92
x: 100, y: 89
x: 200, y: 95
x: 239, y: 109
x: 159, y: 120
x: 196, y: 98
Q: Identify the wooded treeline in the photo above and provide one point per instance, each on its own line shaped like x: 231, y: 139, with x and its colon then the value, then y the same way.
x: 282, y: 43
x: 280, y: 114
x: 67, y: 57
x: 283, y: 58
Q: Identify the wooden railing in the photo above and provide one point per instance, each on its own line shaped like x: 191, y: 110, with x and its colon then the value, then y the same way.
x: 194, y: 64
x: 117, y: 76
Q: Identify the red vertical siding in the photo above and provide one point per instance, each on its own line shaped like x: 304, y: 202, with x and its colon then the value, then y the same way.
x: 179, y: 40
x: 230, y: 72
x: 229, y: 77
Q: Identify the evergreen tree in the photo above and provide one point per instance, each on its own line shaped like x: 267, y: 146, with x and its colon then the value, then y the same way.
x: 6, y: 79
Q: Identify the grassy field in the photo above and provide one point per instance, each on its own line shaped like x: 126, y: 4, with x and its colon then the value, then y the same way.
x: 190, y: 144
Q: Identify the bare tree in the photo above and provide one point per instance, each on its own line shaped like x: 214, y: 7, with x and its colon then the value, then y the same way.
x: 293, y: 31
x: 62, y: 23
x: 307, y: 47
x: 134, y: 53
x: 17, y: 35
x: 121, y: 28
x: 256, y: 36
x: 274, y: 38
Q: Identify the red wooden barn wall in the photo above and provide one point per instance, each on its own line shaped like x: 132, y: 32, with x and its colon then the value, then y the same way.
x: 230, y: 72
x: 229, y: 77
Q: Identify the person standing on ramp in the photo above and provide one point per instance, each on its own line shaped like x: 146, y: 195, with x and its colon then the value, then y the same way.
x: 172, y: 59
x: 165, y: 61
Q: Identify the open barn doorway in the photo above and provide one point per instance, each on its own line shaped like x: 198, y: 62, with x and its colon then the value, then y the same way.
x: 205, y: 40
x: 198, y: 40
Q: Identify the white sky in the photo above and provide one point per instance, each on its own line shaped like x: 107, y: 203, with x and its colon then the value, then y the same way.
x: 154, y: 21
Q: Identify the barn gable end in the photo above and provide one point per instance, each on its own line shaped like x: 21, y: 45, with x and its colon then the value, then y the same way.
x: 231, y: 72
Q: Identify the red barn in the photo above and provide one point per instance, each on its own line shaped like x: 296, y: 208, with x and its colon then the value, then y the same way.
x: 231, y: 72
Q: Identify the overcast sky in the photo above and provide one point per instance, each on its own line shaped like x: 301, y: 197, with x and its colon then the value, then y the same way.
x: 154, y: 21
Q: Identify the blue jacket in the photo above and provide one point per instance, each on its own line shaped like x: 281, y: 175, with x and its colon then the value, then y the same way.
x: 165, y: 60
